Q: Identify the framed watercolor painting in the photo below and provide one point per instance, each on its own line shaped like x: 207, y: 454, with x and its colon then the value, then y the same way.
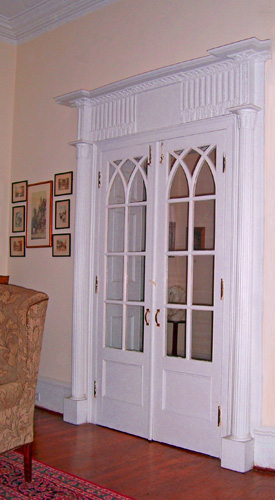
x: 62, y: 214
x: 17, y: 246
x: 61, y: 245
x: 63, y: 184
x: 19, y: 191
x: 39, y: 215
x: 18, y: 219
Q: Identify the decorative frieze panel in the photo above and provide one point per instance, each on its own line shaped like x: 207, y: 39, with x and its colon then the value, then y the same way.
x: 208, y: 88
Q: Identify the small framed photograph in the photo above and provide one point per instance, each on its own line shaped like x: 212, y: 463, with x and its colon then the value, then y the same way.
x: 62, y: 214
x: 18, y: 219
x: 17, y: 246
x: 61, y: 245
x: 19, y: 191
x: 63, y: 184
x: 39, y: 214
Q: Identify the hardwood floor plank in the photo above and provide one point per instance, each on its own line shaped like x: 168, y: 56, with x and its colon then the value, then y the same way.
x: 141, y: 469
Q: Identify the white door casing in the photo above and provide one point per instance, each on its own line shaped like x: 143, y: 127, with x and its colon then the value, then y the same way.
x: 229, y: 80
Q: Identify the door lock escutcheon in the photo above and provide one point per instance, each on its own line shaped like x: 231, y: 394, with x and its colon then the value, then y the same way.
x: 156, y: 317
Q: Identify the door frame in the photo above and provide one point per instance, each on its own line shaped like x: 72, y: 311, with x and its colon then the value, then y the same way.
x: 229, y: 80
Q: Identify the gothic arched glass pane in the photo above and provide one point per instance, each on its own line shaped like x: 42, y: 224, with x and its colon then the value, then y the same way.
x: 205, y: 183
x: 138, y: 189
x: 117, y: 195
x: 179, y: 187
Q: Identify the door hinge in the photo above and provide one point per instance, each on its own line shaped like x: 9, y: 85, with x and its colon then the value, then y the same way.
x: 96, y: 284
x: 222, y: 289
x: 161, y: 153
x: 99, y: 180
x: 224, y: 163
x: 219, y: 416
x: 94, y: 388
x: 149, y: 156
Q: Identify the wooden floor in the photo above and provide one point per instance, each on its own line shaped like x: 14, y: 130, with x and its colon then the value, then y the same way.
x: 140, y: 469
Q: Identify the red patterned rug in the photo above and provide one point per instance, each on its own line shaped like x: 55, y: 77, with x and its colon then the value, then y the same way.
x: 47, y: 483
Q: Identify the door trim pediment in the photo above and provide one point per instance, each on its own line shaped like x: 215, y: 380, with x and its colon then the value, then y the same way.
x: 230, y: 80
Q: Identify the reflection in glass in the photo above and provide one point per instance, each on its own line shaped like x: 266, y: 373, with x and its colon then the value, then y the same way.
x: 202, y: 335
x: 205, y: 183
x: 203, y: 280
x: 179, y: 188
x: 115, y: 242
x: 138, y: 189
x: 177, y: 280
x: 205, y: 217
x: 178, y: 226
x: 191, y: 160
x: 134, y: 328
x: 137, y: 229
x: 135, y: 282
x: 127, y: 169
x: 114, y: 289
x: 176, y: 332
x: 114, y: 326
x: 117, y: 195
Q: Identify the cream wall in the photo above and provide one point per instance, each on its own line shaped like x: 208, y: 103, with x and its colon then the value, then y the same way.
x: 121, y: 40
x: 7, y: 86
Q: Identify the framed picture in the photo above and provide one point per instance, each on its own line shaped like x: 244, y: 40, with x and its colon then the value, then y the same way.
x: 63, y: 184
x: 18, y: 219
x: 19, y: 191
x: 39, y: 214
x: 61, y: 245
x: 17, y: 246
x: 62, y: 214
x: 199, y: 238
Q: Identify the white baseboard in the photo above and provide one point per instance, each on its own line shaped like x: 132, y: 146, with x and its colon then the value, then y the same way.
x: 264, y: 449
x: 50, y: 394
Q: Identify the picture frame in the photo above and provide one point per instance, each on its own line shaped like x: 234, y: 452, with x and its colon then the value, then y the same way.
x: 61, y: 245
x: 63, y: 183
x: 19, y: 191
x: 199, y: 238
x: 62, y: 214
x: 17, y: 246
x: 39, y: 215
x: 18, y: 219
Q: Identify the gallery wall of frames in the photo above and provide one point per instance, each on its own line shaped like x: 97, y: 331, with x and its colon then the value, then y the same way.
x: 36, y: 210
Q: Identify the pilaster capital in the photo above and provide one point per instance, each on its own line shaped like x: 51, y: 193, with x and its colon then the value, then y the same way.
x: 83, y: 149
x: 247, y: 115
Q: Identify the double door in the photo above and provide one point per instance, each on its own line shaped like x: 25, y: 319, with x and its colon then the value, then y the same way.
x: 160, y: 309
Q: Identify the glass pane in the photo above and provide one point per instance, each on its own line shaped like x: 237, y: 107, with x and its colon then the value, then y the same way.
x: 115, y: 230
x: 115, y: 273
x: 178, y: 226
x: 213, y: 156
x: 144, y: 166
x: 191, y: 160
x: 127, y: 169
x: 179, y: 188
x: 111, y: 171
x: 202, y: 328
x: 205, y: 183
x: 138, y: 190
x: 177, y: 280
x: 134, y: 328
x: 204, y: 148
x: 117, y: 192
x: 137, y: 229
x: 203, y: 280
x: 204, y: 225
x: 114, y: 317
x: 135, y: 282
x: 176, y: 332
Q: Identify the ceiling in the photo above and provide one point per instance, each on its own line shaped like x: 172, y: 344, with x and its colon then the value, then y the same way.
x: 22, y: 20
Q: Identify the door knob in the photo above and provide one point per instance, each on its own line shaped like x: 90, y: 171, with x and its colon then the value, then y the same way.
x: 156, y: 317
x: 147, y: 322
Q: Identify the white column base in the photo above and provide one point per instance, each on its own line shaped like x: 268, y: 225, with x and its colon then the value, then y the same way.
x: 237, y: 455
x: 75, y: 411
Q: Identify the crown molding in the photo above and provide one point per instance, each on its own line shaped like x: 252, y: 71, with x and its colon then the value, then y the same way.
x: 45, y: 17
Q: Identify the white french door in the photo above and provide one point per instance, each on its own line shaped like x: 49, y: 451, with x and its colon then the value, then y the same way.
x: 160, y: 308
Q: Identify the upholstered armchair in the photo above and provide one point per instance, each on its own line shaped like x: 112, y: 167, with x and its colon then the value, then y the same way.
x: 22, y: 317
